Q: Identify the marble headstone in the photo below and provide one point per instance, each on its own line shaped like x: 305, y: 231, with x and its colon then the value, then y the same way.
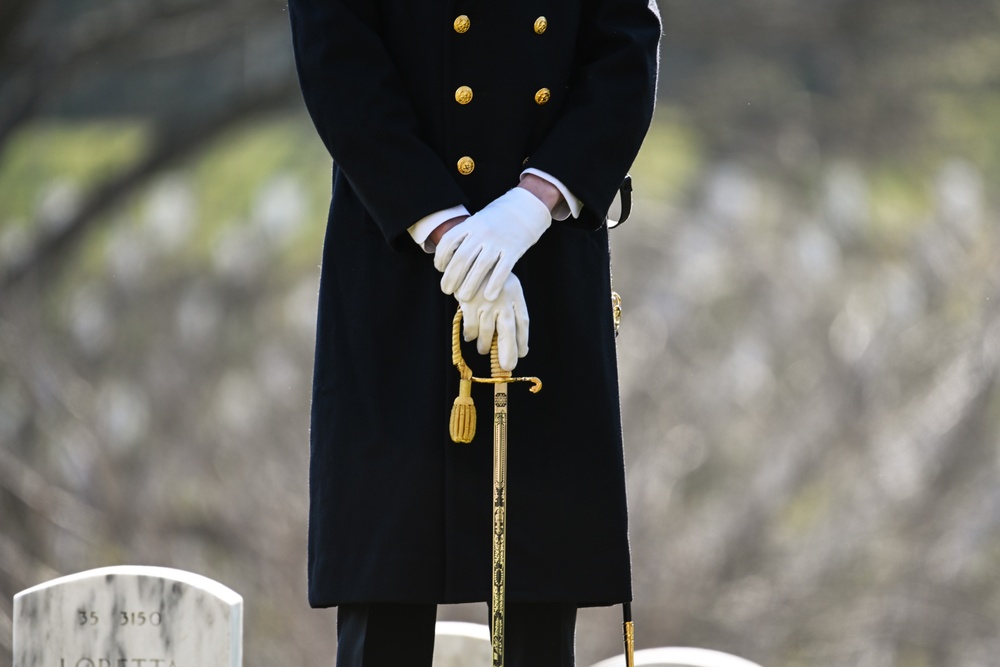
x: 458, y: 644
x: 128, y: 616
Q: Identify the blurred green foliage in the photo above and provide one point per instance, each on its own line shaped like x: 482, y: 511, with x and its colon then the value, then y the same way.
x: 55, y: 151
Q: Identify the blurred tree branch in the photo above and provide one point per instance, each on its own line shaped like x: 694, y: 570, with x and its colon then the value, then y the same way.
x: 174, y: 144
x: 41, y: 63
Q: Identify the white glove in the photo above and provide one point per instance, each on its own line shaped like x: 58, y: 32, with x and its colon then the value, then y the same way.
x: 491, y: 240
x: 507, y: 316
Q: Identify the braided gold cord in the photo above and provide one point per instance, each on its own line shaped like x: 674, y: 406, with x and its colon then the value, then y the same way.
x: 456, y: 347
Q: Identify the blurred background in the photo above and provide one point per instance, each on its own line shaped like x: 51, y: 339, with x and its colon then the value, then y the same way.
x: 809, y: 353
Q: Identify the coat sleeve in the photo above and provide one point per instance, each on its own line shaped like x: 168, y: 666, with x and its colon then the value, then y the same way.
x: 358, y: 104
x: 609, y: 104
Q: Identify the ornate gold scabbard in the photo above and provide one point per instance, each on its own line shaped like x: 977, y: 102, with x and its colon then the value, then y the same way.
x: 463, y: 428
x: 499, y: 504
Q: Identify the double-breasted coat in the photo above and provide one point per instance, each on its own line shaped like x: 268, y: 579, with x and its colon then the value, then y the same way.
x: 425, y: 105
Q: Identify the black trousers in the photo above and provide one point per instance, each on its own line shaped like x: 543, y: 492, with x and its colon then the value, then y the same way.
x: 389, y: 635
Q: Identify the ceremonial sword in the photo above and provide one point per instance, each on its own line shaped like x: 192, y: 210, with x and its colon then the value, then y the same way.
x: 463, y: 428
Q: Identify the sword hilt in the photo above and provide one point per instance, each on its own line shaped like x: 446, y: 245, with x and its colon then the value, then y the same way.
x: 462, y: 426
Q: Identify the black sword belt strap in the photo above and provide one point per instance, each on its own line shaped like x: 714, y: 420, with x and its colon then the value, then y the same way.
x: 625, y: 194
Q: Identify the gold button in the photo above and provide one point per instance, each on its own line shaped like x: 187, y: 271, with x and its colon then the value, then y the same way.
x: 524, y: 162
x: 463, y: 95
x: 541, y: 23
x: 462, y: 24
x: 543, y: 96
x: 465, y: 165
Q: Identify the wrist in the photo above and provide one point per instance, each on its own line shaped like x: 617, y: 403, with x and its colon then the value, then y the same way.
x: 544, y: 191
x: 439, y: 231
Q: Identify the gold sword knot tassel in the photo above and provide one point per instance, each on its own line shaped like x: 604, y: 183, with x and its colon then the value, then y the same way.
x: 462, y: 426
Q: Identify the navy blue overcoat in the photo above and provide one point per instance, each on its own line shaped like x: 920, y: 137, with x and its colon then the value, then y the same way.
x: 399, y: 512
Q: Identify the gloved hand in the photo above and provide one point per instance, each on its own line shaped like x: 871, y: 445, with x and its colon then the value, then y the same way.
x: 507, y: 316
x: 491, y: 240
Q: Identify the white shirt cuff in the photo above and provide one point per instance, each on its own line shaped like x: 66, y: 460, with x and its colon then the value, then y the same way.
x: 423, y: 227
x: 569, y: 206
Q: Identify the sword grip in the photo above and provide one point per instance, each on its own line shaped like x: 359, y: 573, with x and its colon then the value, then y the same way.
x: 495, y: 370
